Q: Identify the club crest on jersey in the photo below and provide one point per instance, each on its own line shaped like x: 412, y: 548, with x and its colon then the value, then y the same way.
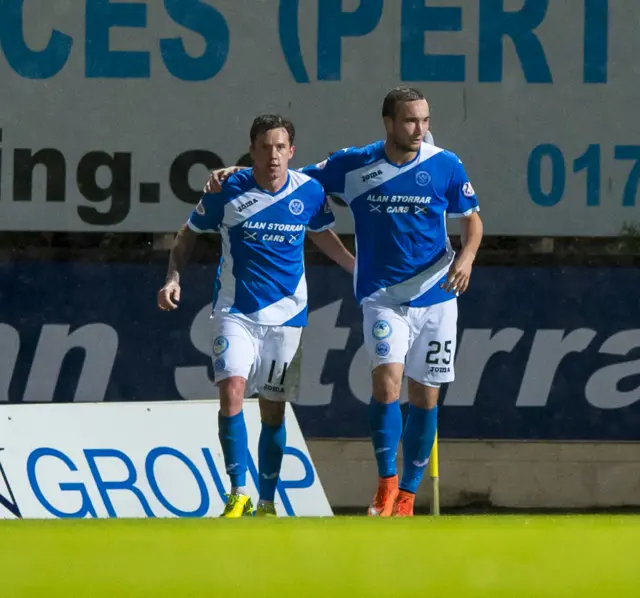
x: 423, y: 178
x: 296, y: 207
x: 381, y: 330
x: 220, y: 345
x: 200, y: 208
x: 467, y: 190
x: 382, y: 349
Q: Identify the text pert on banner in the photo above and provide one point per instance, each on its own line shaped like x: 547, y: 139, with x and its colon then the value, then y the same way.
x: 114, y: 111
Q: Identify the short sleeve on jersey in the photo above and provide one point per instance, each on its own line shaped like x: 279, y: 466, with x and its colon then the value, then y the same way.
x: 207, y: 215
x: 323, y: 219
x: 460, y: 194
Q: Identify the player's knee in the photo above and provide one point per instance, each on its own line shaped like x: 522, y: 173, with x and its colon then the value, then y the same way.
x: 272, y: 412
x: 231, y: 395
x: 387, y: 382
x: 421, y: 395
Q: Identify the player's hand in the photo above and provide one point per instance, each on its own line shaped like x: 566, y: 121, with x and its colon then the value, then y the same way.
x: 459, y: 275
x: 217, y: 177
x: 169, y: 296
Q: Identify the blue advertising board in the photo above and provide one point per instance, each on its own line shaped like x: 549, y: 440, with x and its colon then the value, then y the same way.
x: 543, y: 353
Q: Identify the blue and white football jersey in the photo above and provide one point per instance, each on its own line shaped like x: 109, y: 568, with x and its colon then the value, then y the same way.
x: 261, y: 277
x: 399, y: 212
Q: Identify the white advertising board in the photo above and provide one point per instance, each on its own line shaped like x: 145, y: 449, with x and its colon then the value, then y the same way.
x: 137, y: 460
x: 112, y: 112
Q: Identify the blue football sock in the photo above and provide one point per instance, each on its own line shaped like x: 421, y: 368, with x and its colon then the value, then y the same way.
x: 273, y: 440
x: 419, y: 434
x: 232, y: 432
x: 385, y: 423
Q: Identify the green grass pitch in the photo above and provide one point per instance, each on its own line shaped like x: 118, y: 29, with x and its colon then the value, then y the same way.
x: 445, y: 557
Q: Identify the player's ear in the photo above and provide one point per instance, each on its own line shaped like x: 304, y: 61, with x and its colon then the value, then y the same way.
x: 292, y: 150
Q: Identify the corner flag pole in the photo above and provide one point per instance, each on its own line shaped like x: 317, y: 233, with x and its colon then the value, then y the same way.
x: 434, y: 473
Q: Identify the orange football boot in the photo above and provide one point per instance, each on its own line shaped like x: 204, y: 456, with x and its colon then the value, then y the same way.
x: 383, y: 501
x: 403, y: 506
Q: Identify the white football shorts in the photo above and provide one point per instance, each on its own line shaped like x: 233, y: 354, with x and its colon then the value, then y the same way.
x: 421, y: 338
x: 267, y: 357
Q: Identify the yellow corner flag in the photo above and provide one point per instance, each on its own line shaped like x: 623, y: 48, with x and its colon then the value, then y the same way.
x: 435, y: 477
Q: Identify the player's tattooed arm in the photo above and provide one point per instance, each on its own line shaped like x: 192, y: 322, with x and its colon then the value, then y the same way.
x: 181, y: 251
x: 331, y: 245
x: 183, y: 244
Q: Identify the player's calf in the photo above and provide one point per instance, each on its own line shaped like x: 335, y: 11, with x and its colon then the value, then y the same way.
x: 385, y: 417
x: 232, y: 433
x: 271, y: 445
x: 419, y: 435
x: 385, y: 423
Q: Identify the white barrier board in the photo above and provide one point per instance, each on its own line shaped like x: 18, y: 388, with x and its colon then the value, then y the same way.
x: 137, y: 460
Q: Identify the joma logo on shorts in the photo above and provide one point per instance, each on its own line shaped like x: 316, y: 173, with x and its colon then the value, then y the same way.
x: 274, y: 388
x: 439, y: 370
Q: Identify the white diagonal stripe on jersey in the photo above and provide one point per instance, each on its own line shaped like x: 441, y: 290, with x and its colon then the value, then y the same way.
x: 282, y: 310
x: 261, y: 200
x: 355, y: 187
x: 417, y: 285
x: 299, y: 178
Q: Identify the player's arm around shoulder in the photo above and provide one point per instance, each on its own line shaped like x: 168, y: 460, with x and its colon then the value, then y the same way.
x: 206, y: 216
x: 215, y: 181
x: 331, y: 173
